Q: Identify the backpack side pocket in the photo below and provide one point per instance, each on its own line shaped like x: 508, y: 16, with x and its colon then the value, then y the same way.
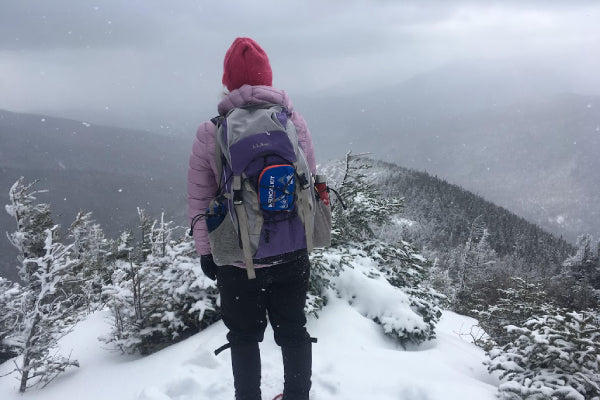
x: 322, y: 226
x: 222, y: 236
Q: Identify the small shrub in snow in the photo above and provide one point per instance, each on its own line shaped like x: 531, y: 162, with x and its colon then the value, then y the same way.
x: 366, y: 288
x: 326, y: 265
x: 92, y: 250
x: 158, y: 292
x: 364, y: 260
x: 555, y: 356
x: 405, y: 268
x: 516, y: 305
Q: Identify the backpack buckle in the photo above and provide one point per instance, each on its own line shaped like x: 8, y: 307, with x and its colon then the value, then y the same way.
x: 236, y: 186
x: 303, y: 181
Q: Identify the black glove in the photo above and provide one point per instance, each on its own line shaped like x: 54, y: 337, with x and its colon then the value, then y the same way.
x: 208, y: 266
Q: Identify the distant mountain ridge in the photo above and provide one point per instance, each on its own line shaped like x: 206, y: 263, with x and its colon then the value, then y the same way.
x: 33, y: 141
x: 493, y: 129
x: 106, y: 170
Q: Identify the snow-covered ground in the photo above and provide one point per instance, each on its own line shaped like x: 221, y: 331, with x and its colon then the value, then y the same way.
x: 353, y: 360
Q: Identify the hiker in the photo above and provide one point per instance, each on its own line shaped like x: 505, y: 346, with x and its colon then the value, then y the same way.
x: 278, y: 290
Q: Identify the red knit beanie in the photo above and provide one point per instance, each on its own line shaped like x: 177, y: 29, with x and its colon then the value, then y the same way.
x: 246, y: 63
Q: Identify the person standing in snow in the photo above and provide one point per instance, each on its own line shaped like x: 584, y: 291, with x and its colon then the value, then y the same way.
x: 279, y: 290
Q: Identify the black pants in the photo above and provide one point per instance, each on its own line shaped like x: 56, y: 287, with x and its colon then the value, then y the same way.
x: 278, y: 292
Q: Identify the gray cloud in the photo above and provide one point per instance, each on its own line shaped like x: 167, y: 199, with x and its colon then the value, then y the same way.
x: 151, y: 57
x: 44, y: 25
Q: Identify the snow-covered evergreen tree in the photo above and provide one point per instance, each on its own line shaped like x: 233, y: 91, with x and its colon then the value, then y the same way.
x: 350, y: 226
x: 47, y: 309
x: 579, y: 286
x: 192, y: 295
x: 517, y: 304
x: 91, y: 249
x: 157, y: 291
x: 362, y: 255
x: 32, y: 219
x: 554, y: 356
x: 10, y: 292
x: 133, y: 293
x: 367, y: 211
x: 470, y: 268
x: 406, y: 269
x: 585, y: 263
x: 48, y: 312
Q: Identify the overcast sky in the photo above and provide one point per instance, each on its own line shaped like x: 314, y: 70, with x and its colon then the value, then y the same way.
x: 150, y: 56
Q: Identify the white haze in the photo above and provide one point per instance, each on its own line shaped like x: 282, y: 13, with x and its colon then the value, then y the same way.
x: 138, y: 61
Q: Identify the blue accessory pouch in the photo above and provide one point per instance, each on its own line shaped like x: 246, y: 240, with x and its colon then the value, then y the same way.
x: 276, y: 188
x: 215, y: 214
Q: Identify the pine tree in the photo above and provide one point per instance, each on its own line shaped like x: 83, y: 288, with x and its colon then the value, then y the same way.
x: 585, y: 263
x: 48, y: 313
x: 406, y: 269
x: 326, y: 265
x: 132, y: 293
x: 516, y: 305
x: 10, y: 292
x: 361, y: 238
x: 192, y: 306
x: 32, y: 219
x: 158, y: 293
x: 47, y: 309
x: 579, y: 286
x: 349, y: 225
x: 575, y: 285
x: 552, y: 356
x: 366, y: 210
x: 471, y: 266
x: 91, y: 249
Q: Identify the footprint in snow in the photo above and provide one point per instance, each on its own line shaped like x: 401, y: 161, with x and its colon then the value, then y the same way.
x: 203, y: 358
x: 152, y: 393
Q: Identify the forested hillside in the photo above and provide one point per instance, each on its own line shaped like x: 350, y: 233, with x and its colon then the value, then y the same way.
x: 446, y: 214
x: 440, y: 217
x: 475, y: 247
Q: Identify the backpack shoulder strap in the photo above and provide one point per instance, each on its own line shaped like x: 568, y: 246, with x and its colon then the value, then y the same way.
x: 218, y: 153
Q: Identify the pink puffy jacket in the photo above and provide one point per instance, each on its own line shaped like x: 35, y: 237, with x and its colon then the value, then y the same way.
x: 202, y: 184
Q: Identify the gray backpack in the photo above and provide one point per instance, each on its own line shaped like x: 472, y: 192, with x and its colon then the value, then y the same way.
x: 266, y: 208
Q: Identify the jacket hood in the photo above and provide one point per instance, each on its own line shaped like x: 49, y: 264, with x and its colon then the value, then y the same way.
x: 254, y: 94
